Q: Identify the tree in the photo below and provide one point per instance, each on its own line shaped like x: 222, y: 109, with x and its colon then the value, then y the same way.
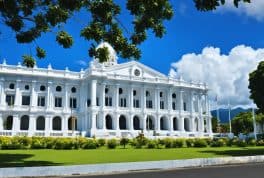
x: 242, y: 123
x: 30, y: 19
x: 214, y: 124
x: 260, y: 121
x: 256, y: 86
x: 124, y: 141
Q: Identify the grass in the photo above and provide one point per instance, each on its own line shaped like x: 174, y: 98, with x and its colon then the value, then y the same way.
x: 16, y: 158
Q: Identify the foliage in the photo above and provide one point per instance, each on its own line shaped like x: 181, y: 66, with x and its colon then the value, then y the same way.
x: 28, y: 61
x: 31, y: 19
x: 101, y: 142
x: 260, y: 121
x: 152, y: 144
x: 256, y: 87
x: 168, y: 142
x: 190, y: 142
x: 214, y: 124
x: 178, y: 143
x: 89, y: 144
x: 218, y: 143
x: 251, y: 142
x: 200, y: 143
x: 242, y: 123
x: 241, y: 143
x: 260, y: 143
x: 41, y: 53
x: 112, y: 143
x: 124, y: 141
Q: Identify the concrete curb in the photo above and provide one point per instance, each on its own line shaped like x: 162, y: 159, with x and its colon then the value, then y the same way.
x: 124, y: 167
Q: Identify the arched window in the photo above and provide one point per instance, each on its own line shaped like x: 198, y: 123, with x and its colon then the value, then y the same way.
x: 56, y: 123
x: 122, y: 122
x: 11, y: 86
x: 187, y: 125
x: 175, y: 123
x: 109, y: 122
x: 136, y: 123
x: 164, y: 125
x: 58, y: 88
x: 72, y: 123
x: 26, y: 87
x: 40, y: 123
x: 196, y: 124
x: 73, y: 90
x: 150, y: 123
x: 8, y: 123
x: 42, y: 88
x: 24, y: 122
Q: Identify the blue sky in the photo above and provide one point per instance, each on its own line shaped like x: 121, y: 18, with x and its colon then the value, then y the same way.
x: 189, y: 31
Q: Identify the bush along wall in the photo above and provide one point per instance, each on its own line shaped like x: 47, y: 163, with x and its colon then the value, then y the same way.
x: 123, y: 143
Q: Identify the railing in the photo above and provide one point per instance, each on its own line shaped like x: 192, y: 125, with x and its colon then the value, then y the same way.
x: 5, y: 133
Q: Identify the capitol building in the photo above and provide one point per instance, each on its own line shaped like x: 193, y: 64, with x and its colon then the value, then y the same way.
x: 105, y: 100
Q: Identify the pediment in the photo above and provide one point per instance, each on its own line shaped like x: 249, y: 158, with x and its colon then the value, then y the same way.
x: 134, y: 69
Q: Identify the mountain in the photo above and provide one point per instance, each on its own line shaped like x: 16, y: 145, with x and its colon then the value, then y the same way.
x: 224, y: 116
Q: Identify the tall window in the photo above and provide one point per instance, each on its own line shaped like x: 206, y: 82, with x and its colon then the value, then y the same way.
x: 122, y: 102
x: 25, y: 100
x: 10, y: 100
x: 184, y: 106
x: 149, y: 104
x: 73, y: 103
x: 173, y: 105
x: 161, y: 104
x: 135, y: 103
x: 58, y: 102
x: 41, y: 101
x: 108, y: 101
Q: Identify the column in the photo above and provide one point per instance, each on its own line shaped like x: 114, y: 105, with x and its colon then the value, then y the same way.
x: 93, y: 120
x: 131, y: 121
x: 18, y: 94
x: 1, y: 122
x: 32, y: 125
x: 191, y: 102
x: 181, y: 124
x: 144, y: 119
x: 171, y: 123
x: 200, y: 114
x: 158, y: 123
x: 116, y: 94
x: 66, y: 97
x: 33, y: 98
x: 143, y: 98
x: 102, y: 95
x: 117, y: 122
x: 49, y: 96
x: 82, y: 97
x: 169, y: 99
x: 16, y: 124
x: 131, y: 97
x: 192, y: 124
x: 207, y: 105
x: 64, y: 127
x: 48, y: 125
x: 102, y: 117
x: 210, y: 125
x: 181, y: 101
x: 93, y: 93
x: 2, y: 92
x: 157, y: 99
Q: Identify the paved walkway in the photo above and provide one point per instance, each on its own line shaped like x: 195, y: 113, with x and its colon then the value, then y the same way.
x: 231, y: 171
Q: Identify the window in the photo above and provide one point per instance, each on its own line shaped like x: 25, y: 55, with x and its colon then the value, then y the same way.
x: 184, y: 106
x: 41, y: 101
x: 42, y: 88
x: 147, y: 93
x: 149, y: 104
x: 88, y: 103
x: 10, y: 100
x: 173, y: 105
x: 136, y: 72
x: 136, y: 103
x: 26, y: 87
x: 97, y: 101
x: 73, y: 103
x: 25, y: 100
x: 161, y: 104
x: 108, y: 101
x: 122, y: 102
x: 12, y: 86
x: 174, y: 95
x: 58, y: 88
x: 73, y: 90
x: 161, y: 94
x: 120, y: 91
x: 134, y: 92
x: 58, y: 102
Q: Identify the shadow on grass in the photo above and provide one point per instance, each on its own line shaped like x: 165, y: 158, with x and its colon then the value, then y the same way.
x: 19, y: 160
x: 241, y: 152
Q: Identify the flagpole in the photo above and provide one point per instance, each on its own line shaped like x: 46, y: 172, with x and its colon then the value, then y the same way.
x: 254, y: 123
x: 218, y: 116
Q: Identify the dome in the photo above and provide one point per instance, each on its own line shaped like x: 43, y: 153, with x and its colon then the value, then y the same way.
x: 112, y: 59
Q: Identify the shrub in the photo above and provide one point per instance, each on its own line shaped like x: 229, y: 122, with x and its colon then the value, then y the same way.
x: 168, y: 143
x: 89, y: 144
x: 25, y: 142
x: 178, y: 143
x: 64, y: 143
x: 218, y: 143
x: 151, y: 144
x: 242, y: 143
x: 200, y: 143
x: 124, y: 142
x: 111, y: 144
x: 101, y: 142
x: 38, y: 143
x: 260, y: 143
x: 251, y: 142
x: 5, y: 142
x: 50, y: 142
x: 190, y: 142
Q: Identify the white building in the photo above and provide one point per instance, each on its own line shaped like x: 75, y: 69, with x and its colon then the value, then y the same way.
x: 105, y: 100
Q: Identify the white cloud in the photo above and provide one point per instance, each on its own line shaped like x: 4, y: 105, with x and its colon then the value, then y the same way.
x: 254, y: 9
x: 226, y: 75
x: 82, y: 63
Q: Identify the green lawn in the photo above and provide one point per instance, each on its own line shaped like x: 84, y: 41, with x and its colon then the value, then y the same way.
x: 12, y: 158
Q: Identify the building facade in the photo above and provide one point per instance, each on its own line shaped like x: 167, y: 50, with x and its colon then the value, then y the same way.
x: 105, y: 100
